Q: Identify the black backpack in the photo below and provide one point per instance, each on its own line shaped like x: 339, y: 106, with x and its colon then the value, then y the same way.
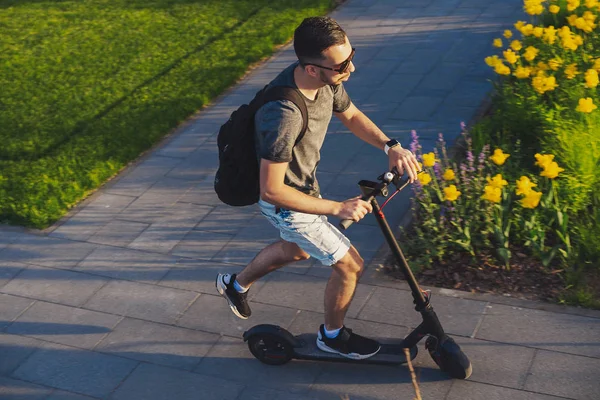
x: 237, y: 179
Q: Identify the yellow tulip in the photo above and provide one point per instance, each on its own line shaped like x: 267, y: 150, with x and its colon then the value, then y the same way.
x: 522, y: 72
x: 497, y: 42
x: 586, y: 105
x: 555, y: 63
x: 429, y: 159
x: 543, y: 159
x: 530, y: 53
x: 499, y: 157
x: 591, y: 3
x: 554, y: 9
x: 492, y: 194
x: 524, y: 185
x: 424, y: 178
x: 531, y: 199
x: 492, y: 61
x: 497, y: 181
x: 451, y: 193
x: 551, y: 170
x: 516, y: 45
x: 449, y: 175
x: 571, y: 71
x: 510, y: 56
x: 501, y: 69
x: 508, y: 34
x: 573, y: 4
x: 591, y: 78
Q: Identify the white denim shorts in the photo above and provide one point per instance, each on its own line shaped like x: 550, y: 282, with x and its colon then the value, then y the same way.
x: 312, y: 233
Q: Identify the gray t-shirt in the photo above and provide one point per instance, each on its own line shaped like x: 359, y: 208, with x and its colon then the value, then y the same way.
x: 278, y: 125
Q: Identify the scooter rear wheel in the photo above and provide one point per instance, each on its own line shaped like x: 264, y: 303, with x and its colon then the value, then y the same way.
x: 270, y: 349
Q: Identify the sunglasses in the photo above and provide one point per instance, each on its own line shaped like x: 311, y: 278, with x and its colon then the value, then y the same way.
x: 343, y: 66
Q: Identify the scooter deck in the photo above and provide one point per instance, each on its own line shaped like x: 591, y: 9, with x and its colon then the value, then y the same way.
x: 391, y: 353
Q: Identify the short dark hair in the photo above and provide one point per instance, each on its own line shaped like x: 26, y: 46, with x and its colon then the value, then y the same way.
x: 314, y: 36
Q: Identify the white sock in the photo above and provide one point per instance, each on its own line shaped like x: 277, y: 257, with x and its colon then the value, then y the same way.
x: 332, y: 334
x: 239, y: 288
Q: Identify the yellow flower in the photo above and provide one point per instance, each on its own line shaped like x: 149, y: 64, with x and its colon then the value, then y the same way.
x: 510, y: 56
x: 497, y: 181
x: 530, y: 53
x: 542, y: 66
x: 429, y: 159
x: 508, y: 34
x: 591, y: 3
x: 502, y: 69
x: 551, y: 170
x: 572, y: 4
x: 451, y: 193
x: 524, y: 185
x: 527, y: 30
x: 543, y: 159
x: 497, y: 42
x: 449, y: 175
x: 571, y: 19
x: 492, y: 61
x: 591, y: 78
x: 533, y: 7
x: 555, y: 63
x: 596, y: 65
x: 424, y: 178
x: 554, y: 9
x: 522, y: 72
x: 586, y: 105
x: 492, y: 193
x: 542, y: 83
x: 550, y: 34
x: 586, y: 26
x: 499, y: 157
x: 571, y: 71
x: 519, y: 25
x: 538, y: 31
x: 531, y: 199
x: 516, y: 45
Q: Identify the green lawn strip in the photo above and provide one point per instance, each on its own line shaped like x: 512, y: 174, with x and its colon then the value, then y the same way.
x: 84, y: 56
x: 39, y: 191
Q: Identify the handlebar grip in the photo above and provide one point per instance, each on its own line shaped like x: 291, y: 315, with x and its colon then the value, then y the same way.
x: 345, y: 224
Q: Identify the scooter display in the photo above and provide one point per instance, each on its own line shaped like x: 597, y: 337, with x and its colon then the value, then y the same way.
x: 274, y: 345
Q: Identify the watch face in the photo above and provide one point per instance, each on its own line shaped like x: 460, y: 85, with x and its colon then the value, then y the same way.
x: 392, y: 142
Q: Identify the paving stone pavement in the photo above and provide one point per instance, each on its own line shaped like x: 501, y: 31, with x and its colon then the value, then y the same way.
x: 117, y: 301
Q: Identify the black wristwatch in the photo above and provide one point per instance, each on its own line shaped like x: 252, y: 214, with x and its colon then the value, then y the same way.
x: 390, y: 144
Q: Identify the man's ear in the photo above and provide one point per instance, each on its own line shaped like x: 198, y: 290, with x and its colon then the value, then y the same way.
x: 311, y: 70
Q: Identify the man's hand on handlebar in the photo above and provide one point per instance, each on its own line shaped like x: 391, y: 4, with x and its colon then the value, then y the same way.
x: 354, y: 209
x: 404, y: 161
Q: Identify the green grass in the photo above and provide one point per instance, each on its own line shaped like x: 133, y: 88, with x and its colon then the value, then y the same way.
x: 89, y: 85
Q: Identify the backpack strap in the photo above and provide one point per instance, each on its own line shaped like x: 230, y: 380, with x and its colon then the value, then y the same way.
x: 291, y: 94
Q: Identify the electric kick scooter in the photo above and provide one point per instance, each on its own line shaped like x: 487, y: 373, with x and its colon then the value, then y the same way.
x: 274, y: 345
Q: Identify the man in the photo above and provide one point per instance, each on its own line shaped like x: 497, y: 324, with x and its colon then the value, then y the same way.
x: 289, y: 191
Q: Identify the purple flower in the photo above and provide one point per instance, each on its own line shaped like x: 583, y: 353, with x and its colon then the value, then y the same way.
x: 482, y: 156
x: 471, y: 161
x: 414, y: 144
x: 464, y: 175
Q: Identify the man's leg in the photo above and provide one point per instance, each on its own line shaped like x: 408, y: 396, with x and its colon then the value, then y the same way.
x: 333, y: 336
x: 341, y: 287
x: 272, y: 257
x: 235, y: 287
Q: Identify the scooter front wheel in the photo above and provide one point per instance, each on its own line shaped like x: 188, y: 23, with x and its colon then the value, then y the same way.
x: 449, y: 357
x: 270, y: 349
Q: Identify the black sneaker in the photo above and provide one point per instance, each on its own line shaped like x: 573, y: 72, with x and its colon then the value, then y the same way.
x: 237, y: 301
x: 348, y: 344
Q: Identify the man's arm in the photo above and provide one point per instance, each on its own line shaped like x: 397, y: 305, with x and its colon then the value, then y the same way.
x: 273, y: 190
x: 362, y: 127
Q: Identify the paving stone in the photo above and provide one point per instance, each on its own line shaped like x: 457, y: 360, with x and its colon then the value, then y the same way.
x: 8, y: 270
x: 564, y: 375
x: 157, y: 202
x: 182, y: 144
x: 132, y: 265
x: 417, y: 107
x: 163, y: 235
x: 242, y: 250
x: 462, y: 390
x: 337, y: 151
x: 153, y: 382
x: 118, y: 233
x: 14, y: 350
x: 545, y: 330
x: 212, y: 314
x: 200, y: 276
x: 46, y: 251
x: 305, y: 293
x: 54, y: 285
x: 73, y: 370
x: 200, y: 164
x: 158, y: 344
x: 458, y: 316
x: 202, y: 192
x: 252, y: 392
x: 92, y: 217
x: 139, y: 178
x: 230, y: 357
x: 201, y: 245
x: 142, y: 301
x: 62, y: 395
x: 13, y: 389
x: 226, y: 219
x: 61, y: 324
